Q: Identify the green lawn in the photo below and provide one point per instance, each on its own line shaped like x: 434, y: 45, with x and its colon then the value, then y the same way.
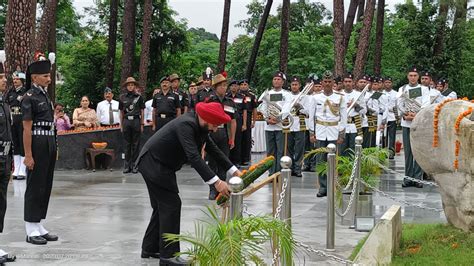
x: 431, y: 244
x: 435, y: 244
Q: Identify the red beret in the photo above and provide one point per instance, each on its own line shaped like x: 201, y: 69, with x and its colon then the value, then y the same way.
x: 212, y: 113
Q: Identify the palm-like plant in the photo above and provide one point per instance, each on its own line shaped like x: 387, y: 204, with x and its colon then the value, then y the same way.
x: 236, y: 242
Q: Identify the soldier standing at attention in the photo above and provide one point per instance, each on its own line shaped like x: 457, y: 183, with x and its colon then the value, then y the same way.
x: 39, y: 141
x: 206, y: 90
x: 131, y: 106
x: 241, y: 119
x: 5, y: 157
x: 327, y: 122
x: 252, y: 105
x: 183, y: 96
x: 392, y: 117
x: 166, y: 105
x: 13, y: 98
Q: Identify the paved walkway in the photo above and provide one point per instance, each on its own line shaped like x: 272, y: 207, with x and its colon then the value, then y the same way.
x: 101, y: 217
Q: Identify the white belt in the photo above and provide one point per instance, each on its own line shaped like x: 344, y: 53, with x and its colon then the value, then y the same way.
x: 42, y: 132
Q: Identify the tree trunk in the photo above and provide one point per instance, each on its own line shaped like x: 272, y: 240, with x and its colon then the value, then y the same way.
x: 364, y: 39
x: 52, y: 49
x: 360, y: 12
x: 145, y: 52
x: 224, y: 35
x: 285, y: 28
x: 440, y: 29
x: 379, y: 37
x: 18, y: 29
x: 461, y: 13
x: 338, y: 26
x: 33, y: 23
x: 349, y: 24
x: 49, y: 13
x: 258, y: 39
x: 112, y: 44
x: 128, y: 35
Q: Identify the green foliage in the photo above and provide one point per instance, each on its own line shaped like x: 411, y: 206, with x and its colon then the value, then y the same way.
x: 236, y: 242
x: 81, y: 62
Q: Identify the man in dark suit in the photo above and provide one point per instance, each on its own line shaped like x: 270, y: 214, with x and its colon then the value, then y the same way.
x: 178, y: 142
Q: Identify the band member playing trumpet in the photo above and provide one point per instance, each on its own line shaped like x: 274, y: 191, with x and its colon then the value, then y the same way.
x: 327, y: 121
x: 411, y: 98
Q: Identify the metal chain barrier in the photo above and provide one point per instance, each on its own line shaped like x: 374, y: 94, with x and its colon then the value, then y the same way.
x: 352, y: 181
x: 400, y: 200
x: 277, y: 215
x: 410, y: 178
x: 323, y: 253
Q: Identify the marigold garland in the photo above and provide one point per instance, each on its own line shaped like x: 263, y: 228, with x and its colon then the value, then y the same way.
x: 436, y: 120
x: 457, y: 128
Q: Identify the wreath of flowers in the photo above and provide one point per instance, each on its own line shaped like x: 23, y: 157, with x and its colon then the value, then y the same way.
x: 457, y: 125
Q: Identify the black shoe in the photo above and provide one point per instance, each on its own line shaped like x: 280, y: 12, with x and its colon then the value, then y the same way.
x: 305, y: 169
x: 50, y: 237
x: 135, y: 171
x: 418, y: 185
x: 21, y: 177
x: 127, y: 170
x: 174, y: 261
x: 36, y: 240
x: 8, y: 258
x: 213, y: 193
x: 407, y: 184
x: 298, y: 175
x: 321, y: 194
x: 146, y: 255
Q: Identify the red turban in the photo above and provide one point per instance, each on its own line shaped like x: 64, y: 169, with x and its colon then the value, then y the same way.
x: 212, y: 113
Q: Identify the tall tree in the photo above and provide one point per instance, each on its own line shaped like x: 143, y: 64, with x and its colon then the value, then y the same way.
x: 145, y: 52
x: 33, y: 6
x: 19, y: 27
x: 52, y: 49
x: 379, y: 37
x: 49, y: 14
x: 285, y: 29
x: 440, y: 28
x: 258, y: 39
x: 349, y: 24
x: 128, y: 36
x: 338, y: 26
x: 364, y: 39
x: 112, y: 43
x: 360, y: 10
x: 224, y: 36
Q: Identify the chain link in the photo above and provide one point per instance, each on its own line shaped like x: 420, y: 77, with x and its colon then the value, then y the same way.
x: 410, y: 178
x: 353, y: 180
x: 400, y: 200
x: 323, y: 253
x: 277, y: 214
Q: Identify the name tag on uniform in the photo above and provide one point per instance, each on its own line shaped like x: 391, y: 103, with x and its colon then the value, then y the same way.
x: 238, y: 100
x: 180, y: 97
x: 276, y: 97
x: 163, y: 115
x: 414, y: 93
x: 248, y: 99
x: 229, y: 109
x: 130, y: 117
x: 171, y: 98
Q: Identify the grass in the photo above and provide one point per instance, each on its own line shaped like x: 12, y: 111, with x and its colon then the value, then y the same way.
x: 435, y: 244
x: 431, y: 244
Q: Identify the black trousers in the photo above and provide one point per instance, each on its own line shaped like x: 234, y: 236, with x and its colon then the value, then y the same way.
x: 131, y: 134
x: 39, y: 181
x: 236, y: 152
x: 323, y: 158
x: 308, y: 146
x: 161, y: 122
x: 389, y: 140
x: 166, y: 205
x: 17, y: 137
x: 369, y: 137
x: 247, y: 140
x: 348, y: 144
x: 5, y: 171
x: 222, y: 141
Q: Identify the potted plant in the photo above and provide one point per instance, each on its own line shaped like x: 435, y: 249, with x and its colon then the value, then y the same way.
x: 372, y: 162
x: 236, y: 242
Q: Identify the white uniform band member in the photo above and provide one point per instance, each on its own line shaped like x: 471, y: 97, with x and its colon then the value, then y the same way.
x: 412, y: 97
x: 446, y: 93
x: 276, y: 99
x: 327, y: 121
x: 392, y: 117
